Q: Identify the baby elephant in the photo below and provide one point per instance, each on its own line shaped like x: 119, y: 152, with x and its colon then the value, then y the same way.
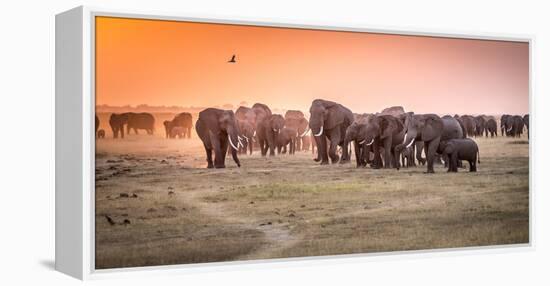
x: 287, y: 136
x: 177, y: 131
x: 461, y: 149
x: 101, y: 133
x: 407, y: 157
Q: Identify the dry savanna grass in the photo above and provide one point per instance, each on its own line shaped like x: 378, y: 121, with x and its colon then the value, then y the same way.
x: 289, y: 206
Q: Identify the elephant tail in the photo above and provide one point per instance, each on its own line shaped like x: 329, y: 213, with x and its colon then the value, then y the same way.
x: 478, y: 158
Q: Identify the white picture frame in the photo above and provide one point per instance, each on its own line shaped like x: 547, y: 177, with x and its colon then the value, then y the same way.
x: 75, y: 145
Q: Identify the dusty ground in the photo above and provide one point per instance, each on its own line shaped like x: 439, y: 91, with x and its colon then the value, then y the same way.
x: 290, y: 206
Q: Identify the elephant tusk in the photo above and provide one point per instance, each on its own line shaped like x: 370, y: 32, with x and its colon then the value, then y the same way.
x: 305, y: 132
x: 370, y: 143
x: 412, y: 141
x: 362, y: 142
x: 231, y: 142
x: 246, y: 138
x: 320, y: 132
x: 240, y: 144
x: 509, y: 129
x: 405, y: 138
x: 253, y: 135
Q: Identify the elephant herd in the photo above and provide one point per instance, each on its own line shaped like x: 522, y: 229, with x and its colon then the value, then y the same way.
x: 380, y: 139
x: 513, y: 125
x: 180, y: 126
x: 250, y: 127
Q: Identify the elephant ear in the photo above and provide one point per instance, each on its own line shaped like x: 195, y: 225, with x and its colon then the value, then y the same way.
x: 335, y: 116
x: 271, y: 120
x: 387, y: 127
x: 433, y: 128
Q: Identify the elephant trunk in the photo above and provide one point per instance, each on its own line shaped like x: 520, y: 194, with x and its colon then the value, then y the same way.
x: 236, y: 157
x: 233, y: 136
x: 231, y: 142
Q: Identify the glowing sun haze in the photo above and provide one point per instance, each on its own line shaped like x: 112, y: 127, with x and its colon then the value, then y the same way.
x: 181, y: 63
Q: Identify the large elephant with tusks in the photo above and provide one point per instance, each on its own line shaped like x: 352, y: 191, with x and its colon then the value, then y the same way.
x: 329, y: 120
x: 218, y: 131
x: 430, y: 129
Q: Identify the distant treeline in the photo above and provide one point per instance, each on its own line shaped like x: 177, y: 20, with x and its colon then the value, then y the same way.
x: 104, y: 108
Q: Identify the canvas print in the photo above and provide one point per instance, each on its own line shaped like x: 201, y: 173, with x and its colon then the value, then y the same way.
x: 223, y: 142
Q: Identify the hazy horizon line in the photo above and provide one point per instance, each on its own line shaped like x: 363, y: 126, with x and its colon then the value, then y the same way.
x: 235, y: 106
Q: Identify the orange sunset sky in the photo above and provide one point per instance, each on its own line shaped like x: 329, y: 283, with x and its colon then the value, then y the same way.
x: 180, y: 63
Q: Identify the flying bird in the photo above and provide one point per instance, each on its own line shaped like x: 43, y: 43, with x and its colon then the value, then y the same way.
x: 232, y: 60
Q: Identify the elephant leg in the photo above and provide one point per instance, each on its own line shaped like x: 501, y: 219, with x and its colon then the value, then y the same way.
x: 445, y: 158
x: 387, y: 153
x: 453, y: 164
x: 346, y: 154
x: 333, y: 147
x: 264, y: 147
x: 332, y: 152
x: 224, y: 145
x: 318, y: 144
x: 322, y: 154
x: 271, y: 143
x: 357, y: 154
x: 419, y: 147
x: 377, y: 160
x: 413, y: 152
x: 215, y: 141
x: 473, y: 164
x: 209, y: 157
x: 431, y: 148
x: 261, y: 142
